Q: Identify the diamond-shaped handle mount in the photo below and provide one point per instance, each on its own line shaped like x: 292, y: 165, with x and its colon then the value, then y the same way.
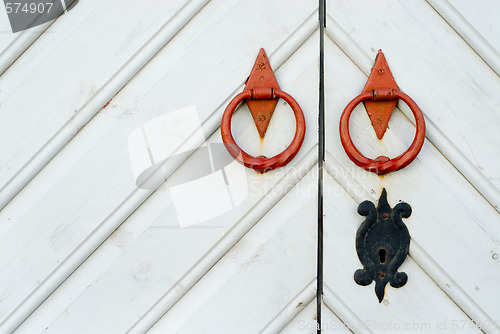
x: 380, y: 96
x: 261, y: 94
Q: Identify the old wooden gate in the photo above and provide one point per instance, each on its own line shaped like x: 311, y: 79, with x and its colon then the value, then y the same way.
x: 123, y: 212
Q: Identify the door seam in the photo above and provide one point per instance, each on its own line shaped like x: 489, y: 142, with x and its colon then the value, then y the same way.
x: 321, y: 160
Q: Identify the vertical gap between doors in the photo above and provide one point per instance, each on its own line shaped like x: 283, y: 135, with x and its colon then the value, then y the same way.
x: 321, y: 160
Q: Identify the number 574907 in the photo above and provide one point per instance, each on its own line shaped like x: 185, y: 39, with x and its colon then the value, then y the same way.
x: 34, y: 7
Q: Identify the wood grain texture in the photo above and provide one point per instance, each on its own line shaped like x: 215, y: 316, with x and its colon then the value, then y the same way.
x: 476, y: 22
x: 70, y: 73
x: 13, y: 45
x: 462, y: 118
x: 108, y: 133
x: 447, y: 231
x: 454, y: 45
x: 86, y: 250
x: 419, y: 306
x: 258, y: 277
x: 305, y: 322
x: 294, y: 309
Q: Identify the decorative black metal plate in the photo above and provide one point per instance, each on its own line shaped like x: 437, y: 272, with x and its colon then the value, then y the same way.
x: 382, y: 243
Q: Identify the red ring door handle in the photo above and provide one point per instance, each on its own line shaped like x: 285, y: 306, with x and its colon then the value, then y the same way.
x: 262, y: 164
x: 382, y: 89
x: 382, y: 165
x: 263, y: 87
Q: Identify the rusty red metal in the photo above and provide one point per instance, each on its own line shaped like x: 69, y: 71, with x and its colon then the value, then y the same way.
x: 262, y: 75
x: 262, y: 88
x: 262, y: 164
x: 380, y: 111
x: 380, y: 94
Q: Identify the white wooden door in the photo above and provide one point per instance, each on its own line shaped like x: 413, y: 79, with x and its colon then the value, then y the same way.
x: 444, y: 54
x: 86, y: 246
x: 93, y: 101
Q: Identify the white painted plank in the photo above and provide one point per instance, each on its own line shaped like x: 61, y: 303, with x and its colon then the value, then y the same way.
x: 331, y: 322
x: 350, y: 317
x: 454, y: 45
x: 12, y: 45
x: 79, y: 225
x: 399, y: 136
x: 71, y: 71
x: 462, y: 118
x: 117, y: 272
x: 259, y: 276
x: 477, y: 23
x: 304, y: 322
x: 419, y: 306
x: 294, y: 309
x: 442, y: 200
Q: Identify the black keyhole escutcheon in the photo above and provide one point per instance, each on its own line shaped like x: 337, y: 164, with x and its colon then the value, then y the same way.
x: 382, y: 244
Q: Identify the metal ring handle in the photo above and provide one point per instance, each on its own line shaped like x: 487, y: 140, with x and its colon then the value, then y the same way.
x: 262, y: 164
x: 382, y: 164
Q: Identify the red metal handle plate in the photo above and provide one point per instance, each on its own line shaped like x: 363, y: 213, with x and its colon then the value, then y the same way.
x: 262, y: 164
x: 382, y: 165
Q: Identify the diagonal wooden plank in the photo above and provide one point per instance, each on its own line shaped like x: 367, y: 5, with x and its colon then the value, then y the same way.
x: 400, y: 134
x: 71, y: 72
x: 454, y: 45
x: 304, y: 299
x: 420, y: 305
x: 151, y: 260
x: 461, y: 116
x: 258, y: 276
x: 305, y: 322
x: 477, y: 23
x: 442, y: 200
x: 12, y: 45
x: 297, y: 74
x: 332, y: 323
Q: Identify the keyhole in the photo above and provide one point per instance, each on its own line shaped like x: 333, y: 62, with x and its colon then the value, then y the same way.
x: 381, y: 254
